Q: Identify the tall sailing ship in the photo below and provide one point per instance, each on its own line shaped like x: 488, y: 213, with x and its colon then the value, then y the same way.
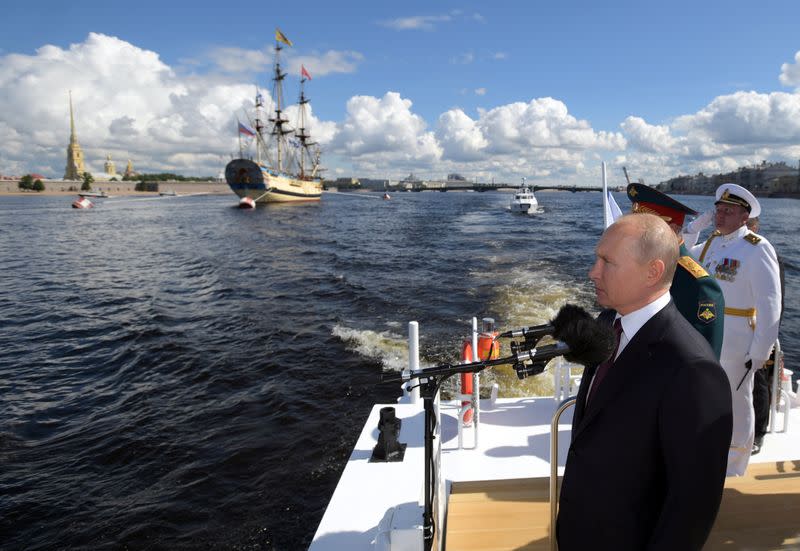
x: 286, y: 167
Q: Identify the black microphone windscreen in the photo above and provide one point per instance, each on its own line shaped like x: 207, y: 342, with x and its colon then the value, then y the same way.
x: 566, y: 319
x: 590, y: 341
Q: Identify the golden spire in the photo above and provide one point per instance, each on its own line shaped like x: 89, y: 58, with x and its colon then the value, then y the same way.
x: 72, y: 137
x: 74, y: 169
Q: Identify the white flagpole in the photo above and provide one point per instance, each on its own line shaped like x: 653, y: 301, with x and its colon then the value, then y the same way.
x: 606, y: 209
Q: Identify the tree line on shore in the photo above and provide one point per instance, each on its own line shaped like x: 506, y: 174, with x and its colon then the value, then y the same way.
x: 28, y: 183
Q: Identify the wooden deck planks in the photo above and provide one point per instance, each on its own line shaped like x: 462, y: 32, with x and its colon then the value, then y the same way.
x: 499, y: 514
x: 760, y: 512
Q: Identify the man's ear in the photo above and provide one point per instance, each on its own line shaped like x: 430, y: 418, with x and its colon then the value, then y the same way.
x: 655, y: 271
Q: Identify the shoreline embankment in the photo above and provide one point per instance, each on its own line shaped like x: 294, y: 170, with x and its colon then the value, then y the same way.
x: 71, y: 187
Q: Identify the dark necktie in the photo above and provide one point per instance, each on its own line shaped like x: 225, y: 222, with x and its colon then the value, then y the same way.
x: 603, y: 368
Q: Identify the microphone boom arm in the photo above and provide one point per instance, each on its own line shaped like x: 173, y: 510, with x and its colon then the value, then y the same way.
x: 536, y: 356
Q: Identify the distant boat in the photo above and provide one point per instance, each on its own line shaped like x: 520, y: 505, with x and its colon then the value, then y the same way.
x: 82, y: 203
x: 386, y: 196
x: 524, y: 201
x: 100, y: 194
x: 285, y: 170
x: 168, y: 193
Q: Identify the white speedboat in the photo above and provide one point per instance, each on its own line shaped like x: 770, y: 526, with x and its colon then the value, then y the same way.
x: 488, y: 486
x: 524, y: 201
x: 93, y: 194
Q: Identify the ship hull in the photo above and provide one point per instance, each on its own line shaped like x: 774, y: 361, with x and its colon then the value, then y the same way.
x: 248, y: 179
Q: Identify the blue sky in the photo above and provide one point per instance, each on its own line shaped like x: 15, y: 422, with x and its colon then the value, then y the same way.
x: 490, y: 89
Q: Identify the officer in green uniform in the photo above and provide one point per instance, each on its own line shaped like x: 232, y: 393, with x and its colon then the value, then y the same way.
x: 696, y: 294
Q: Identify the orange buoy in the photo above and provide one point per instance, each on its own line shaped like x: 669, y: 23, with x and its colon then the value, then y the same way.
x: 487, y: 350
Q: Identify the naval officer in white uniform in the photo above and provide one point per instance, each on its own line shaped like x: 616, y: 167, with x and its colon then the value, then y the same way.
x: 746, y: 268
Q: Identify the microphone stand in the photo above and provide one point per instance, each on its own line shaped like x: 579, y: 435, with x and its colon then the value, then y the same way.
x: 430, y: 380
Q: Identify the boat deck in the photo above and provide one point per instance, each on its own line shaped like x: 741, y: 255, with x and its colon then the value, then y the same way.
x: 759, y: 511
x: 372, y: 499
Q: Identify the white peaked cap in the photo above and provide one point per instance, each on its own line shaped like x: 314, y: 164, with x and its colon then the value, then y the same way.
x: 734, y: 194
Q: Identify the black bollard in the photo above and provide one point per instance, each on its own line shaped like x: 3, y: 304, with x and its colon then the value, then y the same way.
x: 388, y: 448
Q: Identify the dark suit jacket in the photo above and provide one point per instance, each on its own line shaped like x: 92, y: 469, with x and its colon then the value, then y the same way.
x: 648, y: 455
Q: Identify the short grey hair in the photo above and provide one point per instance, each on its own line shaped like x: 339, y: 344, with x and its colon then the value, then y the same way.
x: 657, y: 241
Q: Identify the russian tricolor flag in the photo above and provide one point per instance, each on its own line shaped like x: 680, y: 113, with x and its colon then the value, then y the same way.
x: 246, y: 130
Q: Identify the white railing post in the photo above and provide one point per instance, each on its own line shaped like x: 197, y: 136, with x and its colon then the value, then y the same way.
x: 776, y: 377
x: 413, y: 359
x: 475, y: 381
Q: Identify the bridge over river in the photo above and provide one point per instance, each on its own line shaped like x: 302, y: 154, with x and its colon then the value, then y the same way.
x: 477, y: 186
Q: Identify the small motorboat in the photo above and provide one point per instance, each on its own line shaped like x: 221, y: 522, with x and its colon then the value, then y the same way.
x: 247, y: 203
x: 524, y: 200
x: 168, y: 193
x: 98, y: 194
x: 386, y: 196
x: 82, y: 203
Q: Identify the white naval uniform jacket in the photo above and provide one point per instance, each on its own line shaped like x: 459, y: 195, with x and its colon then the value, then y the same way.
x: 746, y: 268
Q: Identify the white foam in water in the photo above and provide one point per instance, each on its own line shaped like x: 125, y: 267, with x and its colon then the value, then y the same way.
x: 390, y: 348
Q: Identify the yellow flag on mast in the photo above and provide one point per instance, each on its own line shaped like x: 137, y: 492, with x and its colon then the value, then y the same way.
x: 280, y: 37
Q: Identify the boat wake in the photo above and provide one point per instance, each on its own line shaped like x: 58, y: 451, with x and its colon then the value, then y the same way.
x: 389, y: 348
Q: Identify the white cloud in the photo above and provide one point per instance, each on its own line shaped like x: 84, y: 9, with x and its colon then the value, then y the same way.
x: 386, y: 130
x: 790, y: 72
x: 647, y: 137
x: 332, y: 61
x: 731, y: 131
x: 459, y: 136
x: 417, y: 22
x: 463, y: 59
x: 239, y: 60
x: 542, y: 123
x: 748, y: 118
x: 129, y: 103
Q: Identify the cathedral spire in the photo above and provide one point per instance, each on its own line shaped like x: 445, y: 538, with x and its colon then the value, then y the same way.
x: 74, y: 169
x: 72, y: 137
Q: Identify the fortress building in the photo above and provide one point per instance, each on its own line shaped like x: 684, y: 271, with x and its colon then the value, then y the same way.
x: 129, y: 172
x: 110, y: 167
x: 74, y: 169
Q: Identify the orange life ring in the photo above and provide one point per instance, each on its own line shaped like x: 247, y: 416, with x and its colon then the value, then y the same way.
x: 486, y: 351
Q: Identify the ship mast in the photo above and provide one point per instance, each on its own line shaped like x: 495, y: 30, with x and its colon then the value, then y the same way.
x: 279, y: 130
x: 259, y: 126
x: 302, y: 135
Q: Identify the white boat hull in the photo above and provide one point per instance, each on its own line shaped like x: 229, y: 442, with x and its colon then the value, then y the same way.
x: 523, y: 207
x: 524, y: 201
x: 248, y: 179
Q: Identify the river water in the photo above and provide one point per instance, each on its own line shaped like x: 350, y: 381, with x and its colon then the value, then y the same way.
x: 177, y: 373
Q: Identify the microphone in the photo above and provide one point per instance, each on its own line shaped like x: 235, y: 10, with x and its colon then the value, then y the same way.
x: 583, y: 341
x: 586, y: 342
x: 567, y: 316
x: 534, y: 332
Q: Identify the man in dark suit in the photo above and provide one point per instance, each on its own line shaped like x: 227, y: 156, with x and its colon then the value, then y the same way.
x: 635, y: 477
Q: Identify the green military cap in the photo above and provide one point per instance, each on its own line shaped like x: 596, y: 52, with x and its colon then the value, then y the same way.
x: 647, y: 199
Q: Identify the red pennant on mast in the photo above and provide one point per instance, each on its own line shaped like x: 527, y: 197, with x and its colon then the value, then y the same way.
x: 304, y: 73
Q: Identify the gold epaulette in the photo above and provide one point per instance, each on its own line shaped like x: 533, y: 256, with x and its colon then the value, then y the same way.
x: 752, y: 238
x: 691, y: 266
